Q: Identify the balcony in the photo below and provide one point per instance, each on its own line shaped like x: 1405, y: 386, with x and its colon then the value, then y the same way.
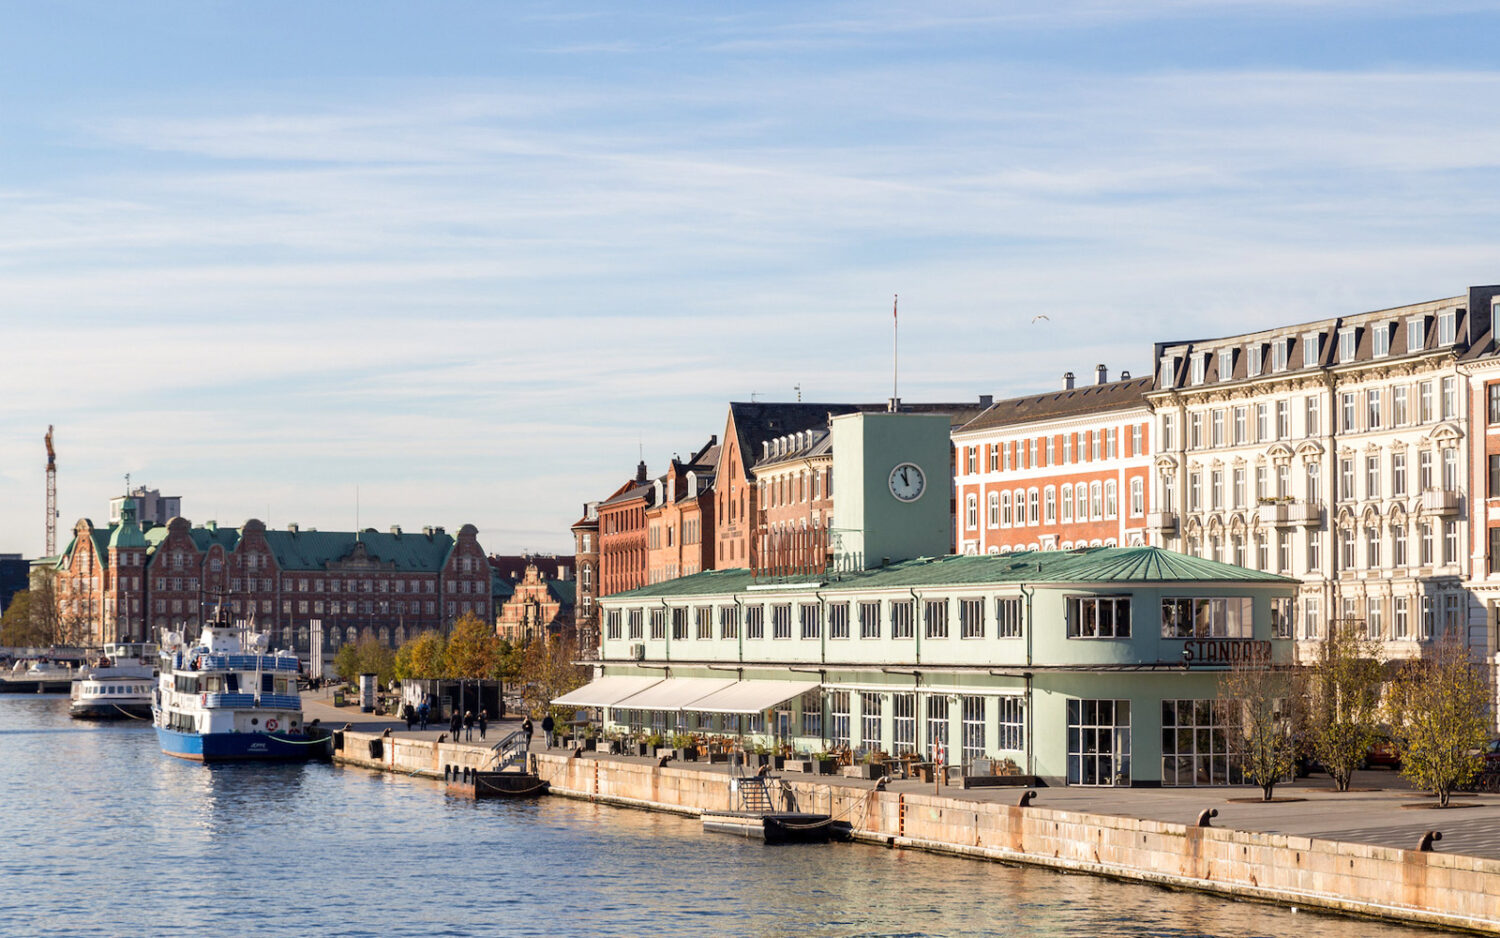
x: 1304, y: 513
x: 1163, y: 521
x: 1440, y: 501
x: 1272, y: 513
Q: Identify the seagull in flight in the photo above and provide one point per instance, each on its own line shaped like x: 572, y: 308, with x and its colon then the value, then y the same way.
x: 1040, y: 317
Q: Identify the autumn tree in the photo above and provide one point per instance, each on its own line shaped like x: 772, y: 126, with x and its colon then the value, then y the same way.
x: 1259, y: 705
x: 1437, y: 714
x: 424, y: 656
x: 368, y: 656
x: 1343, y: 701
x: 547, y: 668
x: 19, y: 627
x: 473, y: 650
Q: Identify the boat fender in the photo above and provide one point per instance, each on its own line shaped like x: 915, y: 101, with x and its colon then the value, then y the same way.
x: 272, y: 725
x: 203, y: 700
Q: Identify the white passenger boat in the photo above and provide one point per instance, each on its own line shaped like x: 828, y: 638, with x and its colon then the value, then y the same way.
x: 117, y: 686
x: 225, y: 698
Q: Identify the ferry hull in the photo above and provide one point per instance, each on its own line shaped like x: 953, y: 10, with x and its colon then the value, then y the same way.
x: 245, y: 747
x: 98, y: 710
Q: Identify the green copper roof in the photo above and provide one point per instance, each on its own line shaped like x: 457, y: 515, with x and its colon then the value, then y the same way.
x: 1085, y: 565
x: 312, y: 550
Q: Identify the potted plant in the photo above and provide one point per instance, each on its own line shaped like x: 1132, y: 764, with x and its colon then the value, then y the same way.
x: 686, y: 746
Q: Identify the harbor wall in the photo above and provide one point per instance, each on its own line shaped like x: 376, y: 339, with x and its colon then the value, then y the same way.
x: 1433, y: 888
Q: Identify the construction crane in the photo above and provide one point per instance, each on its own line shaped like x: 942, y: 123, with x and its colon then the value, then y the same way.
x: 51, y: 495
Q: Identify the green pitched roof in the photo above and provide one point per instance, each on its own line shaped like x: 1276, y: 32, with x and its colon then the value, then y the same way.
x: 312, y: 550
x: 1121, y: 565
x: 562, y: 591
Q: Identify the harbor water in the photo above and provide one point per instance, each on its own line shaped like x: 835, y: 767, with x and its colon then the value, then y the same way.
x: 105, y: 836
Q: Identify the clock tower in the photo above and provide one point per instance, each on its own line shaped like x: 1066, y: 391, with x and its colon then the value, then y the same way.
x: 893, y: 488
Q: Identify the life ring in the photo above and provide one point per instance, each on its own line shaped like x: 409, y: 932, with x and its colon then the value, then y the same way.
x: 272, y: 725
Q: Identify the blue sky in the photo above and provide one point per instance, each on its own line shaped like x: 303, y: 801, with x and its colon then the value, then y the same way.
x: 473, y: 257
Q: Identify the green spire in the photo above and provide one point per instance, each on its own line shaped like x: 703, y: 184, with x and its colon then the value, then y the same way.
x: 127, y: 533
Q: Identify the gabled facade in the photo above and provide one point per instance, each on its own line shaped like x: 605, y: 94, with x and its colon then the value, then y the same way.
x: 537, y: 606
x: 622, y: 534
x: 586, y: 562
x: 680, y: 521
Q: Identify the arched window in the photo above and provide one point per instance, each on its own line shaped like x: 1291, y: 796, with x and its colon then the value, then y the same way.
x: 1096, y: 493
x: 1033, y: 506
x: 971, y: 510
x: 1081, y: 501
x: 994, y: 510
x: 1111, y: 499
x: 1005, y: 509
x: 1049, y: 505
x: 586, y: 576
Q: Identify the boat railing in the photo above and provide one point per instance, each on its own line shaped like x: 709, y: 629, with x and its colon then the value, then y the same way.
x: 281, y: 701
x: 247, y: 662
x: 247, y: 701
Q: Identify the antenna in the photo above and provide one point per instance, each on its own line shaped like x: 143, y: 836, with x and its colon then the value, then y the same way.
x: 356, y: 512
x: 895, y: 352
x: 798, y: 388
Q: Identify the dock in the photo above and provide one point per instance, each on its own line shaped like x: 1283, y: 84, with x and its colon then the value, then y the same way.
x: 781, y: 827
x: 464, y: 782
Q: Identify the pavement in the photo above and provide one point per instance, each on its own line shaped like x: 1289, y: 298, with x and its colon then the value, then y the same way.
x: 1381, y: 808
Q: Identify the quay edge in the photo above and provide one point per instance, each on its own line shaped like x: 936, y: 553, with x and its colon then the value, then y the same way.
x: 1431, y: 889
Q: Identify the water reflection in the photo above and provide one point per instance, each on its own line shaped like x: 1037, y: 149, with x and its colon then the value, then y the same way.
x: 298, y: 849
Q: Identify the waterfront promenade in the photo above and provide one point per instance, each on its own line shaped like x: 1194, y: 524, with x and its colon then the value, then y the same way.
x: 1376, y: 813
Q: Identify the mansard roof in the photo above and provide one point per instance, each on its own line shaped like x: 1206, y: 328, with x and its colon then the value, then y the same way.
x: 756, y: 422
x: 1080, y: 401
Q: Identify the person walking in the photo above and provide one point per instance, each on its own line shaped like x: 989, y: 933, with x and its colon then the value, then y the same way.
x: 456, y: 725
x: 424, y: 711
x: 526, y: 728
x: 468, y: 726
x: 484, y: 722
x: 410, y: 714
x: 547, y: 726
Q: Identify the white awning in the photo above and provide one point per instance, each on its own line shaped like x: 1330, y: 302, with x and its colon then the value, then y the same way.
x: 753, y: 696
x: 675, y: 693
x: 606, y: 691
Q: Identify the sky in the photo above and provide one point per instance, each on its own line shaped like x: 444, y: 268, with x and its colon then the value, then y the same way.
x: 385, y: 263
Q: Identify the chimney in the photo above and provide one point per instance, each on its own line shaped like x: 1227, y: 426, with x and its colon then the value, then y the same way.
x: 640, y: 469
x: 292, y: 528
x: 1124, y: 376
x: 986, y: 400
x: 396, y: 529
x: 1101, y: 374
x: 1067, y: 381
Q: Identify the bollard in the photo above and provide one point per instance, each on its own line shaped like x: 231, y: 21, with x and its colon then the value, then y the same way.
x: 1026, y: 798
x: 1428, y: 839
x: 1206, y: 815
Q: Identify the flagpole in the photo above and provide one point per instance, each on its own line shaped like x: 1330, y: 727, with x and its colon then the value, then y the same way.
x: 895, y: 350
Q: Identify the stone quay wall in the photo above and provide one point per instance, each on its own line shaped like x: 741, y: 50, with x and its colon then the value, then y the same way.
x: 1433, y: 888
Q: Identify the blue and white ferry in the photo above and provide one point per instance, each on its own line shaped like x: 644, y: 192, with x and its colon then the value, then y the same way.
x: 117, y: 685
x: 225, y: 698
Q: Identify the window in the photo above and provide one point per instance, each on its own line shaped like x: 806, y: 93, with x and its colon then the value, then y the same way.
x: 1346, y: 478
x: 1218, y: 427
x: 1347, y: 341
x: 869, y: 620
x: 679, y: 624
x: 1375, y: 619
x: 1067, y: 503
x: 1398, y: 406
x: 1372, y: 477
x: 1237, y: 488
x: 1447, y: 323
x: 971, y: 510
x: 1398, y: 545
x: 1492, y: 475
x: 838, y: 715
x: 1227, y: 617
x: 812, y: 715
x: 971, y: 618
x: 1010, y: 714
x: 1195, y: 491
x: 1135, y: 439
x: 1349, y: 412
x: 1099, y: 617
x: 1240, y: 430
x: 1032, y: 514
x: 810, y: 615
x: 612, y: 624
x: 1346, y: 548
x: 1098, y: 742
x: 994, y: 510
x: 937, y: 724
x: 658, y: 624
x: 1253, y: 355
x: 1372, y: 547
x: 1166, y: 431
x: 1424, y: 470
x: 1282, y: 612
x: 838, y: 620
x: 729, y: 622
x: 1424, y: 402
x: 1226, y: 364
x: 1492, y: 399
x: 1049, y: 505
x: 1450, y: 398
x: 1450, y: 542
x: 1400, y: 618
x: 1195, y: 430
x: 703, y: 620
x: 972, y: 459
x: 1005, y: 509
x: 1427, y: 613
x: 1262, y: 423
x: 1279, y: 354
x: 1398, y: 474
x: 1312, y: 618
x: 1216, y: 489
x: 1262, y: 552
x: 1137, y: 497
x: 1372, y: 409
x: 1195, y: 737
x: 901, y: 619
x: 1425, y: 545
x: 869, y: 720
x: 1450, y: 469
x: 1096, y: 500
x: 903, y: 723
x: 781, y: 621
x: 1310, y: 343
x: 1312, y: 417
x: 1380, y: 339
x: 1008, y: 617
x: 935, y: 618
x: 1111, y: 499
x: 973, y: 729
x: 755, y: 622
x: 1283, y: 419
x: 1197, y: 369
x: 1416, y: 333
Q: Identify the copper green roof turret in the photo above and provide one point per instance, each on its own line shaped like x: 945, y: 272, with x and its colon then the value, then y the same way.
x: 127, y: 533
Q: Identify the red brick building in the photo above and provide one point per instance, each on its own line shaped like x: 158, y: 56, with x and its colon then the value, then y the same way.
x: 539, y: 605
x: 680, y: 521
x: 125, y: 582
x: 622, y: 534
x: 586, y: 562
x: 1055, y: 471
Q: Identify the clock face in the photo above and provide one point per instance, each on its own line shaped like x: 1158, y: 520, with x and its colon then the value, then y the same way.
x: 907, y: 482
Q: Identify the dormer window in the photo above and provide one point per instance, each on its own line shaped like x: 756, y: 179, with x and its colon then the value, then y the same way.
x: 1253, y: 359
x: 1200, y: 363
x: 1226, y: 364
x: 1416, y: 333
x: 1168, y: 371
x: 1380, y: 340
x: 1347, y: 342
x: 1447, y: 327
x: 1310, y: 349
x: 1279, y: 354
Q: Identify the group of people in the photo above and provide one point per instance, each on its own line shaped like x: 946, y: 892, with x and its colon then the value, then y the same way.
x: 462, y: 725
